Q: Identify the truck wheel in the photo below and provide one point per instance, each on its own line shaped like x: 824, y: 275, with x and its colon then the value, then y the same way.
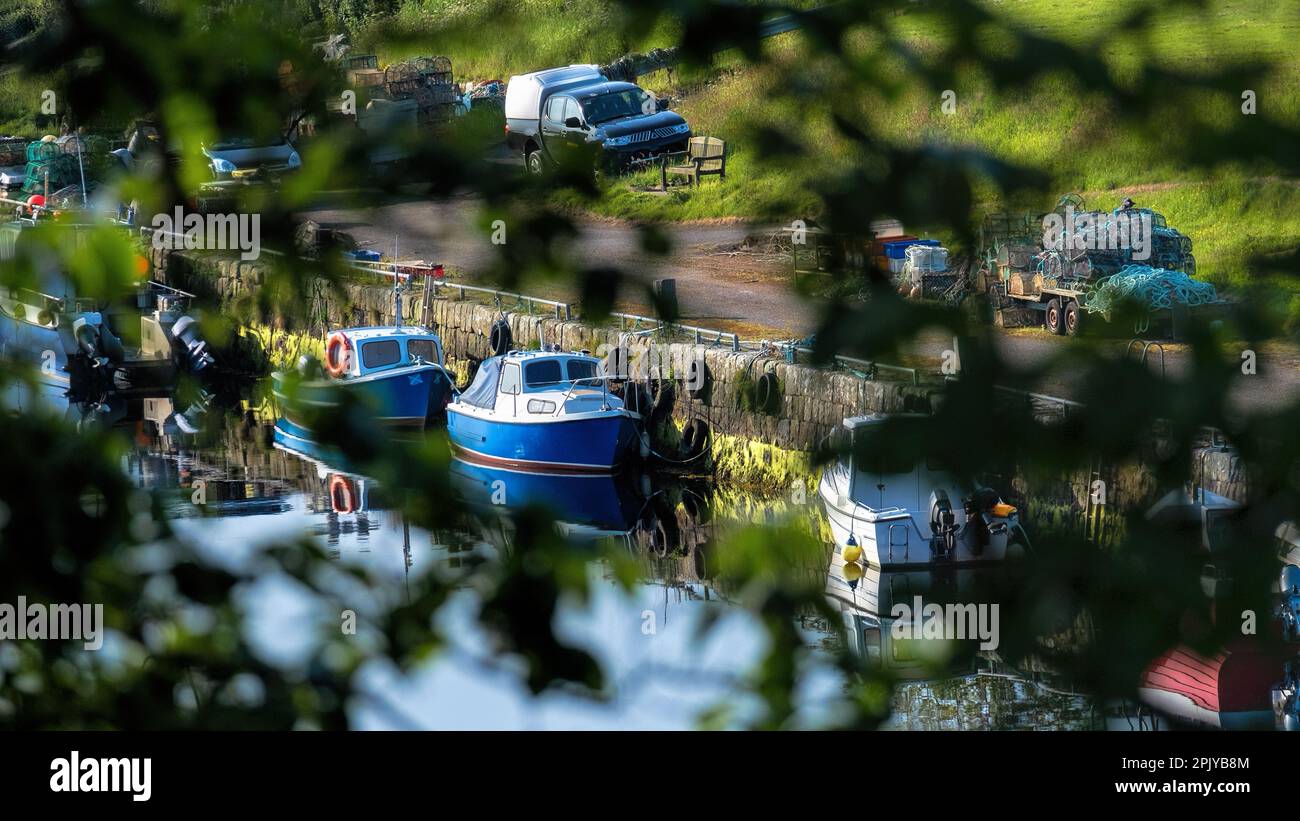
x: 1072, y: 318
x: 1055, y: 321
x: 536, y: 163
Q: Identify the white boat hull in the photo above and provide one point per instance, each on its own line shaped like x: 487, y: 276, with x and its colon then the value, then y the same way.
x: 900, y: 536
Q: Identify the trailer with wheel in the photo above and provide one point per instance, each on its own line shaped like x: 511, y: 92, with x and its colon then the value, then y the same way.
x: 1161, y: 309
x: 1061, y: 304
x: 1053, y: 264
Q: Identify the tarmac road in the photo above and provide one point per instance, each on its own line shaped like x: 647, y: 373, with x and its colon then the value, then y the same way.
x: 748, y: 293
x: 731, y: 292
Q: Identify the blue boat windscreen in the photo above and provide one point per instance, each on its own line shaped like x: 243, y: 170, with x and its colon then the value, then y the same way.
x: 482, y: 393
x: 424, y: 349
x: 581, y: 369
x: 380, y: 353
x: 543, y: 372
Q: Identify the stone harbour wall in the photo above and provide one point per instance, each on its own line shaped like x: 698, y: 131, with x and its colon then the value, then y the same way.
x: 770, y: 447
x: 765, y: 449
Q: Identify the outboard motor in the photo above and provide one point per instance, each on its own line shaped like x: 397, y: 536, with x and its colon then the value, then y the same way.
x: 943, y: 526
x: 984, y: 525
x: 977, y: 524
x: 191, y: 347
x: 1289, y: 585
x: 309, y: 367
x: 1286, y: 705
x: 90, y: 347
x: 191, y: 420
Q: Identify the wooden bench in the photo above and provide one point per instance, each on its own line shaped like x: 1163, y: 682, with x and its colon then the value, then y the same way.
x: 706, y: 156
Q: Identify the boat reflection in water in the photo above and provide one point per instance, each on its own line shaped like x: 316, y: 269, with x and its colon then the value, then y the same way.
x: 881, y: 619
x: 585, y: 506
x: 961, y: 681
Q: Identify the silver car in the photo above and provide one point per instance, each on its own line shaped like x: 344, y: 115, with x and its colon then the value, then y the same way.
x: 240, y: 157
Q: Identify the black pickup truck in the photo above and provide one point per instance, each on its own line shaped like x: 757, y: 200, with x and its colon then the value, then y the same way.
x: 557, y: 114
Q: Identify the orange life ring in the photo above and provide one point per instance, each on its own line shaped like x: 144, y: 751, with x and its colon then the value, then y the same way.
x: 342, y: 498
x: 337, y: 352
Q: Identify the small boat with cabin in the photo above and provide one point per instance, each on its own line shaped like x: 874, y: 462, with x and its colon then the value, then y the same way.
x: 543, y: 410
x: 395, y: 370
x: 910, y: 514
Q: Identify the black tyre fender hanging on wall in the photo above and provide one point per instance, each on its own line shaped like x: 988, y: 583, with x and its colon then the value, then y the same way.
x: 697, y: 378
x: 695, y: 438
x: 767, y: 393
x: 499, y: 338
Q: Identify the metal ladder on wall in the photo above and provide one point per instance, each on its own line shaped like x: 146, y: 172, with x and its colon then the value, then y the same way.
x: 1147, y: 345
x: 905, y: 544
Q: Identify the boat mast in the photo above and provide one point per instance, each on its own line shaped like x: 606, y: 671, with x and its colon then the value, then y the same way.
x: 397, y: 288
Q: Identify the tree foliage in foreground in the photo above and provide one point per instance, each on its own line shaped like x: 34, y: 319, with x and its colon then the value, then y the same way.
x: 74, y: 530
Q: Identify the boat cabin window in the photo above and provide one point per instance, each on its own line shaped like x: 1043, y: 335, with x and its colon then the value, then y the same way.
x: 581, y: 369
x: 381, y: 353
x: 425, y: 349
x: 510, y: 378
x: 871, y: 455
x: 543, y: 372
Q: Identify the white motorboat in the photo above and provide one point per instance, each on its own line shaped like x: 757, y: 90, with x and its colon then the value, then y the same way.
x: 918, y: 516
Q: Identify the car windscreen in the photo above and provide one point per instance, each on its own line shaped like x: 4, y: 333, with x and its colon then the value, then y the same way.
x: 234, y: 143
x: 613, y: 105
x: 543, y: 372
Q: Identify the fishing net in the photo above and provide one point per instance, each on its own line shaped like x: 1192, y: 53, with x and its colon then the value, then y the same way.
x: 1152, y: 288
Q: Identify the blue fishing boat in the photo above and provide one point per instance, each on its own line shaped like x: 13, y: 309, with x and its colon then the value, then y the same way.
x: 543, y: 410
x: 394, y: 370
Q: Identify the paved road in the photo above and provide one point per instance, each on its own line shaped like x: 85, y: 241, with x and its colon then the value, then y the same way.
x: 744, y: 292
x: 732, y: 292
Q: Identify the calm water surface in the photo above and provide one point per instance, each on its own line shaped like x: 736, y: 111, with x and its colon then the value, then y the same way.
x: 647, y: 640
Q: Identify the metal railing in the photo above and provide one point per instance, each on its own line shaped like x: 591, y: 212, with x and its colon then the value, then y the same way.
x: 562, y: 310
x: 702, y: 336
x: 604, y: 392
x: 565, y: 310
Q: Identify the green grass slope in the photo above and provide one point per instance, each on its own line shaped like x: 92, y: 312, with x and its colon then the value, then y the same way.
x: 1232, y: 211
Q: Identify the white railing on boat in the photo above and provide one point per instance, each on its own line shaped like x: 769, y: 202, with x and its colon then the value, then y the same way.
x: 604, y: 392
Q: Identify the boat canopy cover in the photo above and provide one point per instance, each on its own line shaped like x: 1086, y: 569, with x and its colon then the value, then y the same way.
x: 482, y: 393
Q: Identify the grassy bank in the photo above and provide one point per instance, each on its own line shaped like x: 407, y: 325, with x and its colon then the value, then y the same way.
x: 1068, y: 131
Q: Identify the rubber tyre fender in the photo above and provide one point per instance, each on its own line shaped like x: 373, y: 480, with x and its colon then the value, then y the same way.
x: 767, y: 393
x: 697, y: 378
x: 662, y: 392
x: 695, y: 438
x: 636, y: 398
x: 499, y: 338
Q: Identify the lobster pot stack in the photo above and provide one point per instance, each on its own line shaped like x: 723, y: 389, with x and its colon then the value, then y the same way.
x: 48, y: 166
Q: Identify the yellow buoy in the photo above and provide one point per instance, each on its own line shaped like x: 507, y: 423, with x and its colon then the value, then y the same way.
x: 852, y: 572
x: 852, y: 553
